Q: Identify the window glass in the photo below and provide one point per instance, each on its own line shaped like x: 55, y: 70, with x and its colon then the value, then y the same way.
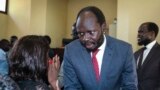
x: 3, y: 6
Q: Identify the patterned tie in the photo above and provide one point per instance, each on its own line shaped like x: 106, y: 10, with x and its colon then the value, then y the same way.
x: 95, y: 64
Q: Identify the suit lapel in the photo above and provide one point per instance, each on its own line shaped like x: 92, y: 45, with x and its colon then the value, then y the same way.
x: 137, y: 54
x: 89, y: 67
x: 106, y: 63
x: 149, y: 56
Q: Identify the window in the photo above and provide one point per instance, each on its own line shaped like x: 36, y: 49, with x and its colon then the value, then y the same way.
x: 3, y: 6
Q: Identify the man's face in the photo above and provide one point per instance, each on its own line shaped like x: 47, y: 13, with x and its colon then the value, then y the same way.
x: 144, y: 36
x: 90, y: 32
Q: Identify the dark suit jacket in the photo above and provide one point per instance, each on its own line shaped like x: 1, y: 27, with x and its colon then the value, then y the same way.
x: 118, y: 67
x: 149, y: 75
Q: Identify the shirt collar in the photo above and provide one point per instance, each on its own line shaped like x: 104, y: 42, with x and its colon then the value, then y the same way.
x: 150, y: 45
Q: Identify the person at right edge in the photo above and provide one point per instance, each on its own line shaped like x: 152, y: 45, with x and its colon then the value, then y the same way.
x: 148, y: 68
x: 96, y: 61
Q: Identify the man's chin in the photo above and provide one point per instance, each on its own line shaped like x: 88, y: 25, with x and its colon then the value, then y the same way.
x: 90, y: 48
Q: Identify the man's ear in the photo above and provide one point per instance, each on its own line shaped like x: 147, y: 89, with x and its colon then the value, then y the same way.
x: 153, y: 35
x: 105, y: 27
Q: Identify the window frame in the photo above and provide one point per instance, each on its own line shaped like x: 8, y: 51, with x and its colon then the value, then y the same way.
x: 6, y: 8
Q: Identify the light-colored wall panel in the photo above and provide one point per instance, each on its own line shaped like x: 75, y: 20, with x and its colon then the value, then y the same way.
x: 56, y: 20
x: 3, y: 25
x: 18, y: 17
x: 38, y: 17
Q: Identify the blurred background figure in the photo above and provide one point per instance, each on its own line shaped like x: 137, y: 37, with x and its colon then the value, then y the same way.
x: 74, y: 32
x: 13, y: 39
x: 4, y: 48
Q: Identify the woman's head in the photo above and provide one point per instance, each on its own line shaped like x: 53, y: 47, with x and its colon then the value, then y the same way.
x: 28, y: 58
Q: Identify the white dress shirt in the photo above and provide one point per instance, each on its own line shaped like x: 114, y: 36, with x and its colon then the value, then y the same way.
x: 147, y: 50
x: 100, y: 54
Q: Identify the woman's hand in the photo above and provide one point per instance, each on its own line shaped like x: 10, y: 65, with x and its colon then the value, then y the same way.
x: 53, y: 70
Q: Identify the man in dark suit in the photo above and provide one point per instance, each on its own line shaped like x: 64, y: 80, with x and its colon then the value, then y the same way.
x: 148, y: 68
x: 96, y: 61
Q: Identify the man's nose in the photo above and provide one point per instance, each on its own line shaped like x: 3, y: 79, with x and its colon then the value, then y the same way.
x: 86, y: 36
x: 138, y: 35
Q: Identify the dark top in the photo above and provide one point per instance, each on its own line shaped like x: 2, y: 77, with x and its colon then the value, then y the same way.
x: 32, y: 85
x: 6, y: 83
